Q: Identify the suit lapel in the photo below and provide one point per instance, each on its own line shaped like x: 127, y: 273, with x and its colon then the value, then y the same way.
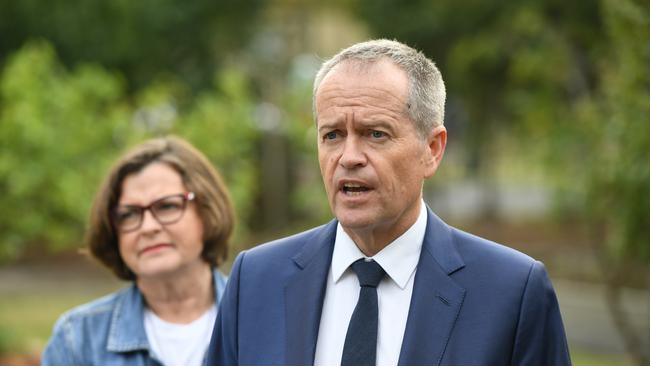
x: 304, y: 295
x: 436, y: 299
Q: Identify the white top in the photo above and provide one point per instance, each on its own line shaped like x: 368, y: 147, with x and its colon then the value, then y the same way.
x: 179, y: 344
x: 399, y: 259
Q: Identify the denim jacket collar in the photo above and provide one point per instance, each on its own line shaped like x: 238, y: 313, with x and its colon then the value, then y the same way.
x: 126, y: 331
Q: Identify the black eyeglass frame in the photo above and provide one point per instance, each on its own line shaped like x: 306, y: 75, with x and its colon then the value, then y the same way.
x: 186, y: 197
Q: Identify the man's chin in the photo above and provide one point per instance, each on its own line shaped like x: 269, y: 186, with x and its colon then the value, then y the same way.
x: 354, y: 220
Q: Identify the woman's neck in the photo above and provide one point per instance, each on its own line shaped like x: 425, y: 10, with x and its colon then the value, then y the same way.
x: 180, y: 297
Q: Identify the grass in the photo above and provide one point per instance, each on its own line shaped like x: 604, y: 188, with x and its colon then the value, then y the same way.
x: 26, y: 320
x: 581, y: 357
x: 33, y: 298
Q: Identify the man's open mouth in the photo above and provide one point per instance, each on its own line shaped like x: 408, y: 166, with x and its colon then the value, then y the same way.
x: 353, y: 189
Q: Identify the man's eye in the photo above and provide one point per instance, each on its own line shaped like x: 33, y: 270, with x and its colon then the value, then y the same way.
x: 330, y: 135
x: 377, y: 134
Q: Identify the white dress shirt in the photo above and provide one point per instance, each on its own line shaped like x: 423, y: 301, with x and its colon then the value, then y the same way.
x: 399, y: 259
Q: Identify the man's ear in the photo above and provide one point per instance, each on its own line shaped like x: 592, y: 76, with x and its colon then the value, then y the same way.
x: 436, y: 143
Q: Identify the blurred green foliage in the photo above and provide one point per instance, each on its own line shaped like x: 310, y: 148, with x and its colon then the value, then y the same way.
x: 615, y: 124
x: 142, y: 39
x: 57, y: 131
x: 5, y: 340
x: 566, y: 79
x: 60, y: 130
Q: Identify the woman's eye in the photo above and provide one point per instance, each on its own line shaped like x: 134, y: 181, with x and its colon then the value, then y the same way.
x: 125, y: 215
x: 168, y: 206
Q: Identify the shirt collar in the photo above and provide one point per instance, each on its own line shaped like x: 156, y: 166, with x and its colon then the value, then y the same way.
x: 399, y: 258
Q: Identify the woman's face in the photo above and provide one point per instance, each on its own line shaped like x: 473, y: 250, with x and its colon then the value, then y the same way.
x: 155, y: 249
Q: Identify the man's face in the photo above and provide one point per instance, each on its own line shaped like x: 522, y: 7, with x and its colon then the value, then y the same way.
x: 372, y: 160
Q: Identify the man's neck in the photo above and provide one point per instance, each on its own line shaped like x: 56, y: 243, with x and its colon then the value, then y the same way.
x: 371, y: 240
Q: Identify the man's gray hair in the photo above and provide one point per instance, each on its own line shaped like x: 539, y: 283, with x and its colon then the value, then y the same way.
x: 426, y: 96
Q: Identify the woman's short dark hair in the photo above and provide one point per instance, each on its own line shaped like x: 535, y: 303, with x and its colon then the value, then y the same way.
x: 198, y: 175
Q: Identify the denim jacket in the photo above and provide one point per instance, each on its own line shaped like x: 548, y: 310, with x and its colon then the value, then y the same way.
x: 108, y: 331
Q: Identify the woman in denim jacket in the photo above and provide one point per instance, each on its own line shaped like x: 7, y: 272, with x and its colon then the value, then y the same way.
x: 162, y: 220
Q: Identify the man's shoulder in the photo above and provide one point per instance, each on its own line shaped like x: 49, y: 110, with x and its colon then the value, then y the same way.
x: 491, y: 259
x: 471, y: 245
x: 268, y: 265
x: 490, y: 267
x: 454, y: 248
x: 291, y: 245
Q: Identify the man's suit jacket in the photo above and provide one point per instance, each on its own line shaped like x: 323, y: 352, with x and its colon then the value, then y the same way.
x: 474, y: 302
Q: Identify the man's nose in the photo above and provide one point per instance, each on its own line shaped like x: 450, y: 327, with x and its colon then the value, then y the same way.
x: 353, y: 154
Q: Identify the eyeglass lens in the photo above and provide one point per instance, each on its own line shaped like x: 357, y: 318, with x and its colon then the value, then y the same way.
x: 166, y: 210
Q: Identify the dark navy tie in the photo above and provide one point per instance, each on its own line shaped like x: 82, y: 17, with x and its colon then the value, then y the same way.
x: 361, y: 340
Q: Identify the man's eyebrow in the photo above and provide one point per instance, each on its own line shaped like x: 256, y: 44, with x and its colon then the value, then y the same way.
x: 377, y: 122
x: 329, y: 124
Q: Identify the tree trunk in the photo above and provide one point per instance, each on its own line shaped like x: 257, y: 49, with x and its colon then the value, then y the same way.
x: 613, y: 271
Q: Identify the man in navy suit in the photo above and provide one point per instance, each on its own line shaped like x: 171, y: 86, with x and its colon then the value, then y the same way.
x: 387, y: 282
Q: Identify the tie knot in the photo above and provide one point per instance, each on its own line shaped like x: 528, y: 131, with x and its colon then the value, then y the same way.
x: 368, y: 272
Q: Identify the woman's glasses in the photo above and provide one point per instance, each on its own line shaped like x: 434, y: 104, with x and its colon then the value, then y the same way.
x: 166, y: 210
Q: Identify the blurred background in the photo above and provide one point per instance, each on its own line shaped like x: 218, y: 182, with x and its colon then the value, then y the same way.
x: 548, y: 117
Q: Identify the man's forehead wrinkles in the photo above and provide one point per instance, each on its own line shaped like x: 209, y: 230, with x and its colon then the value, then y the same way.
x: 359, y: 92
x: 370, y: 102
x: 360, y: 112
x: 357, y: 120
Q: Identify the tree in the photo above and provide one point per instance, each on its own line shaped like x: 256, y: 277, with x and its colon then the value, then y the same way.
x: 142, y: 39
x: 60, y: 130
x: 57, y: 132
x: 614, y: 131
